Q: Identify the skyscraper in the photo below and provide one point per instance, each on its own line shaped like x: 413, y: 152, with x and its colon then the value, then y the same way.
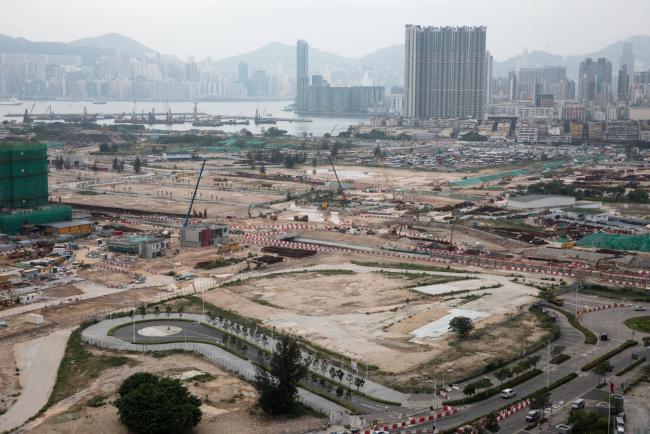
x: 242, y: 71
x: 595, y: 82
x: 627, y: 58
x: 302, y: 75
x: 488, y: 76
x: 445, y: 72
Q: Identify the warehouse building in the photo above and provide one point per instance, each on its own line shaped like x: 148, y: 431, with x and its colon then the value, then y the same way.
x: 540, y: 201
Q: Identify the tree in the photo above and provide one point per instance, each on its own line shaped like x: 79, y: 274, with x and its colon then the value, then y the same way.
x: 469, y: 389
x: 638, y: 195
x: 586, y: 422
x: 142, y: 310
x: 540, y: 400
x: 262, y: 170
x: 168, y: 309
x: 278, y: 387
x: 491, y: 423
x: 603, y: 368
x: 137, y: 164
x: 502, y: 374
x: 557, y: 350
x: 359, y: 382
x: 275, y: 132
x: 156, y: 310
x: 461, y: 325
x: 148, y: 404
x: 116, y: 164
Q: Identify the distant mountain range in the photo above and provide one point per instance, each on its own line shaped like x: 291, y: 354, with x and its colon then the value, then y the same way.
x: 387, y: 62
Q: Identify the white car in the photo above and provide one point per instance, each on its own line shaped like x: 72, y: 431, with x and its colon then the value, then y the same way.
x: 639, y: 308
x: 508, y: 393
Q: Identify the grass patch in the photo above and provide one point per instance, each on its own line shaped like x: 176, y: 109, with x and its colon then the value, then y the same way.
x: 420, y: 279
x: 96, y: 401
x: 590, y: 337
x: 406, y: 266
x: 471, y: 297
x: 265, y: 302
x: 639, y: 323
x: 615, y: 293
x: 80, y: 367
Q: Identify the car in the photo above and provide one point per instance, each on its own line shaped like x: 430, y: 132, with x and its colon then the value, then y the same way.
x: 3, y: 324
x: 578, y: 404
x: 532, y: 416
x: 639, y: 308
x: 604, y: 337
x: 508, y: 393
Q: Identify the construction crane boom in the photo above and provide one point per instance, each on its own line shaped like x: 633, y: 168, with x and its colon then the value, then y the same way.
x: 196, y: 187
x: 341, y: 192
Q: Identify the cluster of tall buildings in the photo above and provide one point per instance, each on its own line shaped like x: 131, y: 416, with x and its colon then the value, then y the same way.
x: 124, y: 77
x: 320, y: 96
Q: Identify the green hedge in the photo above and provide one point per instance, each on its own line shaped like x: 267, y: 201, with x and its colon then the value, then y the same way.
x: 608, y: 355
x: 560, y: 359
x: 629, y: 367
x: 590, y: 337
x: 487, y: 393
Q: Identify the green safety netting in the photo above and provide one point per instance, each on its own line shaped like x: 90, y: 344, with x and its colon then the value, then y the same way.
x: 601, y: 240
x: 11, y: 223
x: 486, y: 178
x: 23, y: 175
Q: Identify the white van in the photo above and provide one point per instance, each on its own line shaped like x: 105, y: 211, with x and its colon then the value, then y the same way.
x: 508, y: 393
x: 578, y: 404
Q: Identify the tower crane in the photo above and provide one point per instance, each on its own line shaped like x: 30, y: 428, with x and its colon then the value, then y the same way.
x: 196, y: 187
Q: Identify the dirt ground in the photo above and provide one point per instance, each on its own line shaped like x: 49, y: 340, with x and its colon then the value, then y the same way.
x: 366, y: 316
x: 9, y: 384
x: 228, y: 402
x: 63, y: 291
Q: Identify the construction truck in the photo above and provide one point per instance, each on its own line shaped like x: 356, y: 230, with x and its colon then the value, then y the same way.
x: 228, y: 248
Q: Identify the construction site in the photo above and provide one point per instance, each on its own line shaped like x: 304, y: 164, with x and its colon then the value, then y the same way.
x: 363, y: 262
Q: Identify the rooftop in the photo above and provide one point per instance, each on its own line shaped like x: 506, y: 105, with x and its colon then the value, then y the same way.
x: 534, y: 197
x: 69, y: 224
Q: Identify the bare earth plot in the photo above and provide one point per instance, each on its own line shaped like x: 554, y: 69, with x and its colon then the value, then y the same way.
x: 228, y: 402
x: 371, y: 317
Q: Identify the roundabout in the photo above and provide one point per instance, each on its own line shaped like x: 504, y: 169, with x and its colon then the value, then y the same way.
x: 159, y: 331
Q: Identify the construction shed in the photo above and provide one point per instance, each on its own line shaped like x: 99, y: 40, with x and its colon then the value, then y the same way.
x: 204, y: 235
x: 74, y: 228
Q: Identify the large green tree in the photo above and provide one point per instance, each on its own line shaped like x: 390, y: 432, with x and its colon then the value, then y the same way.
x: 149, y: 404
x: 278, y: 386
x: 461, y: 325
x: 586, y: 422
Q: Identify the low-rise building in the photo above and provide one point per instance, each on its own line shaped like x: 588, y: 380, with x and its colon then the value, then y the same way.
x: 540, y: 201
x: 75, y: 227
x: 204, y: 235
x: 145, y: 246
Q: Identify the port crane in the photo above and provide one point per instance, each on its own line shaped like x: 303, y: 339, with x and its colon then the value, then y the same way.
x: 196, y: 187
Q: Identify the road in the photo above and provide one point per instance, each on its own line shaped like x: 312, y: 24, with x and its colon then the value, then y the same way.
x: 38, y: 360
x: 608, y: 321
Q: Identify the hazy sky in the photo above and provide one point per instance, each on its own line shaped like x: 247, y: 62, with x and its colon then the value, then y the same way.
x: 351, y: 28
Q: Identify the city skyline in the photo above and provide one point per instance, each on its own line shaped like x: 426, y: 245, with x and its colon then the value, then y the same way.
x: 383, y: 29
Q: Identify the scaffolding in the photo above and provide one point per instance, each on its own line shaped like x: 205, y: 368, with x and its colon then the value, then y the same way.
x: 23, y: 175
x: 12, y: 223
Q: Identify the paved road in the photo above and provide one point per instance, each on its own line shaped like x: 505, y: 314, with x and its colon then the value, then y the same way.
x: 608, y: 321
x: 38, y: 360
